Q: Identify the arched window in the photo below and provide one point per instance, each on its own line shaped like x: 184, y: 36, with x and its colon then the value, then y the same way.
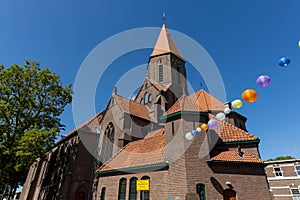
x: 80, y: 193
x: 150, y: 98
x: 146, y: 97
x: 178, y: 74
x: 145, y: 194
x: 108, y: 142
x: 229, y: 194
x: 142, y: 101
x: 200, y: 189
x: 122, y: 189
x: 132, y: 189
x: 102, y: 196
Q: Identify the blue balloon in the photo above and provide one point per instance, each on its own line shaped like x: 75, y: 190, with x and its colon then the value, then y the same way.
x: 194, y: 132
x: 284, y: 61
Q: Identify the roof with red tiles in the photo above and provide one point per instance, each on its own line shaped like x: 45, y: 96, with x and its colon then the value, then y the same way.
x: 233, y: 156
x: 149, y: 150
x: 197, y: 102
x: 230, y: 133
x: 132, y: 107
x: 165, y: 44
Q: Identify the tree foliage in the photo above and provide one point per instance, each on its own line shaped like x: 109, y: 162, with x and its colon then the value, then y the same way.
x: 282, y: 158
x: 31, y: 101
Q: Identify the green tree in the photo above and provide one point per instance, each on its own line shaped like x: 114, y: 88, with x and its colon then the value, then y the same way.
x: 31, y: 101
x: 282, y: 158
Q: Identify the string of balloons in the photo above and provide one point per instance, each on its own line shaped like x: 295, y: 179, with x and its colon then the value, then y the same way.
x: 248, y: 95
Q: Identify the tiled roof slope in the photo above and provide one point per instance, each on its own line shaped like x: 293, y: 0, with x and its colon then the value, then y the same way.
x: 230, y: 133
x: 197, y: 102
x: 232, y: 156
x: 165, y: 44
x: 149, y: 150
x: 132, y: 107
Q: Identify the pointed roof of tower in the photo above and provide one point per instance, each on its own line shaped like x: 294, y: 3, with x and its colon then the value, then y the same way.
x: 165, y: 44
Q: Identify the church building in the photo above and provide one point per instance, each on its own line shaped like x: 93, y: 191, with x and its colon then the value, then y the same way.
x: 142, y: 149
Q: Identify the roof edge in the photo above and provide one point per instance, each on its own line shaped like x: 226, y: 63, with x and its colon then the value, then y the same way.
x: 235, y: 162
x: 183, y: 112
x: 282, y: 161
x: 127, y: 169
x: 243, y: 142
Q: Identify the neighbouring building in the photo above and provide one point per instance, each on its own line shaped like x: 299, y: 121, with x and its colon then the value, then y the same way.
x: 144, y: 139
x: 284, y: 179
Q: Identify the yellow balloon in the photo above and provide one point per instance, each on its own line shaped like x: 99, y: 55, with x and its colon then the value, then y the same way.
x: 237, y: 103
x: 299, y: 43
x: 249, y: 95
x: 204, y: 127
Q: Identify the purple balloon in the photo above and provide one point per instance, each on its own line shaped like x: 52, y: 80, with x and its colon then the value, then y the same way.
x: 263, y: 80
x: 212, y: 123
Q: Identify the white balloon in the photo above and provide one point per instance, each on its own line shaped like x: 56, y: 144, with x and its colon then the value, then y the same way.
x: 221, y: 116
x: 198, y: 129
x: 227, y: 110
x: 188, y: 136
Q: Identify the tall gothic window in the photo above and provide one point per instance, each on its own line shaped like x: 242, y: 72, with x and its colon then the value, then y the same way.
x: 178, y: 74
x: 146, y: 97
x: 200, y: 189
x: 108, y: 142
x: 122, y: 189
x: 160, y: 73
x: 150, y: 98
x: 142, y: 101
x: 145, y: 194
x: 102, y: 196
x: 132, y: 189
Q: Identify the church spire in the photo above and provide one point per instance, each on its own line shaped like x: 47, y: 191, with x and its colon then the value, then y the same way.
x: 165, y: 44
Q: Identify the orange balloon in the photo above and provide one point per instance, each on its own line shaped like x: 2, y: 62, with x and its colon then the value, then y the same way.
x: 249, y: 95
x: 204, y: 127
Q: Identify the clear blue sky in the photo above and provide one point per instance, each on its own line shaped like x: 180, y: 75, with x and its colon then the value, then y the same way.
x: 244, y: 38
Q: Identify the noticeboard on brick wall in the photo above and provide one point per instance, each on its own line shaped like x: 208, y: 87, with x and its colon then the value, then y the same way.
x: 142, y: 185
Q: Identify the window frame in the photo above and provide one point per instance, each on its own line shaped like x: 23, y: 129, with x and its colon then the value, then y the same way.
x: 102, y: 195
x: 280, y: 171
x: 142, y: 101
x: 146, y: 97
x: 160, y: 73
x: 149, y: 98
x: 122, y: 191
x: 142, y: 193
x: 200, y: 193
x: 132, y: 186
x: 297, y: 170
x: 297, y: 196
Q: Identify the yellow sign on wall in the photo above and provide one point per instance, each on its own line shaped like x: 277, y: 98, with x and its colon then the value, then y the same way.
x: 142, y: 185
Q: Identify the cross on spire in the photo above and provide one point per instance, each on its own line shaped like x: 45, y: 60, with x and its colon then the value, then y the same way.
x: 164, y: 18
